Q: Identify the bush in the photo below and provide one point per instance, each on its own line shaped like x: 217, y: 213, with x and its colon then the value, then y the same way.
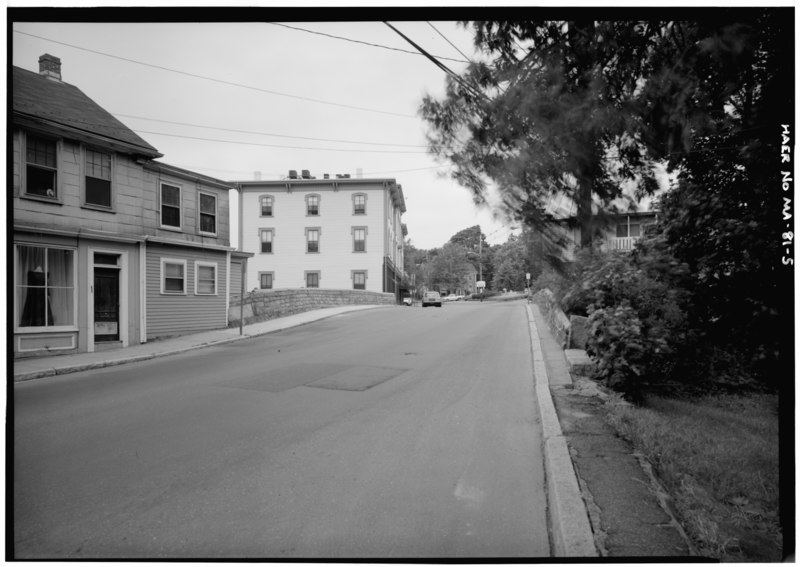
x: 637, y: 321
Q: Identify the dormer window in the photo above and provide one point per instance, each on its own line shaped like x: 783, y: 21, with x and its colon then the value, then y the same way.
x: 41, y: 171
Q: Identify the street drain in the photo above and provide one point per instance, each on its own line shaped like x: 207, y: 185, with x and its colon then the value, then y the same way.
x: 357, y: 379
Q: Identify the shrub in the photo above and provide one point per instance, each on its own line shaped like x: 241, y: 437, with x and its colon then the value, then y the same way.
x: 637, y: 321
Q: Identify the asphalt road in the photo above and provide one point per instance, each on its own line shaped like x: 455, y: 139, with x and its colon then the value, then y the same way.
x: 389, y: 433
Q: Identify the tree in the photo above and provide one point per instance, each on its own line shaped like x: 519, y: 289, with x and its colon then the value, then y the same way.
x: 479, y: 253
x: 555, y: 117
x: 450, y: 268
x: 511, y: 265
x: 717, y: 113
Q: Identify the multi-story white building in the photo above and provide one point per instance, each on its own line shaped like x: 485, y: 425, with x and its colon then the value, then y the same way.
x: 342, y: 233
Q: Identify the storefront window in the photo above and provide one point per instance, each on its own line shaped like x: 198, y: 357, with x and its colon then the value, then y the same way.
x: 45, y: 287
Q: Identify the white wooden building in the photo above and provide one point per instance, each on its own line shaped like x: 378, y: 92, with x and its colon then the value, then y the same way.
x: 340, y: 233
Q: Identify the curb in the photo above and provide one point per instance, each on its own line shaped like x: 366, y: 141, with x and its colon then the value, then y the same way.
x: 567, y: 517
x: 57, y: 371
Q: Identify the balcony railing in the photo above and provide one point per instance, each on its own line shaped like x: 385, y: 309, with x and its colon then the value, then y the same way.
x: 626, y: 243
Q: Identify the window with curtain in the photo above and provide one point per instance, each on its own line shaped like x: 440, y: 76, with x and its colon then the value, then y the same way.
x: 359, y: 280
x: 312, y: 237
x: 359, y: 204
x: 45, y: 285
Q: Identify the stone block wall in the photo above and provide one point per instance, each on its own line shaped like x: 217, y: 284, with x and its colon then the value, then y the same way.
x: 263, y: 305
x: 570, y: 332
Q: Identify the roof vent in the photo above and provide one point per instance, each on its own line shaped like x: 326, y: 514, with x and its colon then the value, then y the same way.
x: 50, y: 66
x: 292, y: 174
x: 306, y: 174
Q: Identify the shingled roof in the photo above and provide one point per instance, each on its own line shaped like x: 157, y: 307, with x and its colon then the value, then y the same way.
x: 56, y: 103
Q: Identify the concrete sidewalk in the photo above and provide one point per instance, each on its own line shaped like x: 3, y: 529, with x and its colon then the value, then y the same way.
x: 628, y: 511
x: 40, y: 367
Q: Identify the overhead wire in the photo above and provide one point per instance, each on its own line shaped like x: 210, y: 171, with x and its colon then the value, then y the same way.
x: 450, y: 42
x: 215, y: 80
x: 365, y: 42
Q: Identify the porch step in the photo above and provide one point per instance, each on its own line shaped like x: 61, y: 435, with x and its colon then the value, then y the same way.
x: 107, y: 345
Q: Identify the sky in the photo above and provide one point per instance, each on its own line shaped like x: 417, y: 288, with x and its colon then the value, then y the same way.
x: 232, y: 99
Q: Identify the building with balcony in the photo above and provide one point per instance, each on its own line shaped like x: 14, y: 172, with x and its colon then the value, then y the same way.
x: 334, y: 233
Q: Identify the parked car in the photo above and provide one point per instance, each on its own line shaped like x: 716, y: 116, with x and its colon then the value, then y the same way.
x: 452, y: 297
x: 432, y: 298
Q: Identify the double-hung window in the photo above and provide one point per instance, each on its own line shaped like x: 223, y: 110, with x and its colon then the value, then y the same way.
x: 205, y: 278
x: 170, y: 206
x: 359, y: 204
x: 312, y: 240
x: 312, y: 279
x: 41, y: 167
x: 625, y: 230
x: 208, y: 213
x: 98, y: 179
x: 265, y: 280
x: 266, y: 202
x: 173, y: 277
x: 359, y: 280
x: 312, y: 205
x: 266, y: 236
x: 45, y: 287
x: 359, y: 239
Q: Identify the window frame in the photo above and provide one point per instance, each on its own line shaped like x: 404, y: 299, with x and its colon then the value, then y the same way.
x: 261, y: 232
x: 59, y: 150
x: 271, y: 199
x: 318, y: 199
x: 206, y: 264
x: 271, y: 276
x: 18, y: 328
x: 307, y: 273
x: 162, y: 275
x: 354, y: 273
x: 85, y: 175
x: 200, y: 213
x: 355, y: 205
x: 161, y: 206
x: 318, y: 231
x: 354, y: 230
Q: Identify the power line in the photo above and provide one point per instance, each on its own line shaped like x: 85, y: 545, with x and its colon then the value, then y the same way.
x: 366, y: 42
x: 438, y: 63
x: 275, y: 145
x: 271, y: 134
x: 450, y: 42
x: 215, y: 80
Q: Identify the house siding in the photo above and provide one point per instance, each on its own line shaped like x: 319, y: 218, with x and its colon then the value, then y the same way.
x: 177, y: 314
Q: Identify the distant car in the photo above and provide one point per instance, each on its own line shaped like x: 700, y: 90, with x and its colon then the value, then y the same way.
x: 452, y: 297
x: 432, y: 298
x: 407, y: 300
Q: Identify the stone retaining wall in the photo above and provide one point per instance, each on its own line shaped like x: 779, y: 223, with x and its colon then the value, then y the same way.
x: 570, y: 332
x: 263, y: 305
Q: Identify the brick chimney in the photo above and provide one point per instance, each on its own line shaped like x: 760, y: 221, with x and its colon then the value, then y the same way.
x: 50, y: 66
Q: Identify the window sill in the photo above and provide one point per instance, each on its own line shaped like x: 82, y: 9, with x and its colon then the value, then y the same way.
x: 171, y: 228
x: 99, y: 208
x: 209, y: 234
x: 174, y: 293
x: 41, y: 199
x: 39, y: 330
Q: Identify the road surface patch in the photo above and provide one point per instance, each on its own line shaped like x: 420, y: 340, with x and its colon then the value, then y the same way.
x: 358, y: 378
x: 286, y: 378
